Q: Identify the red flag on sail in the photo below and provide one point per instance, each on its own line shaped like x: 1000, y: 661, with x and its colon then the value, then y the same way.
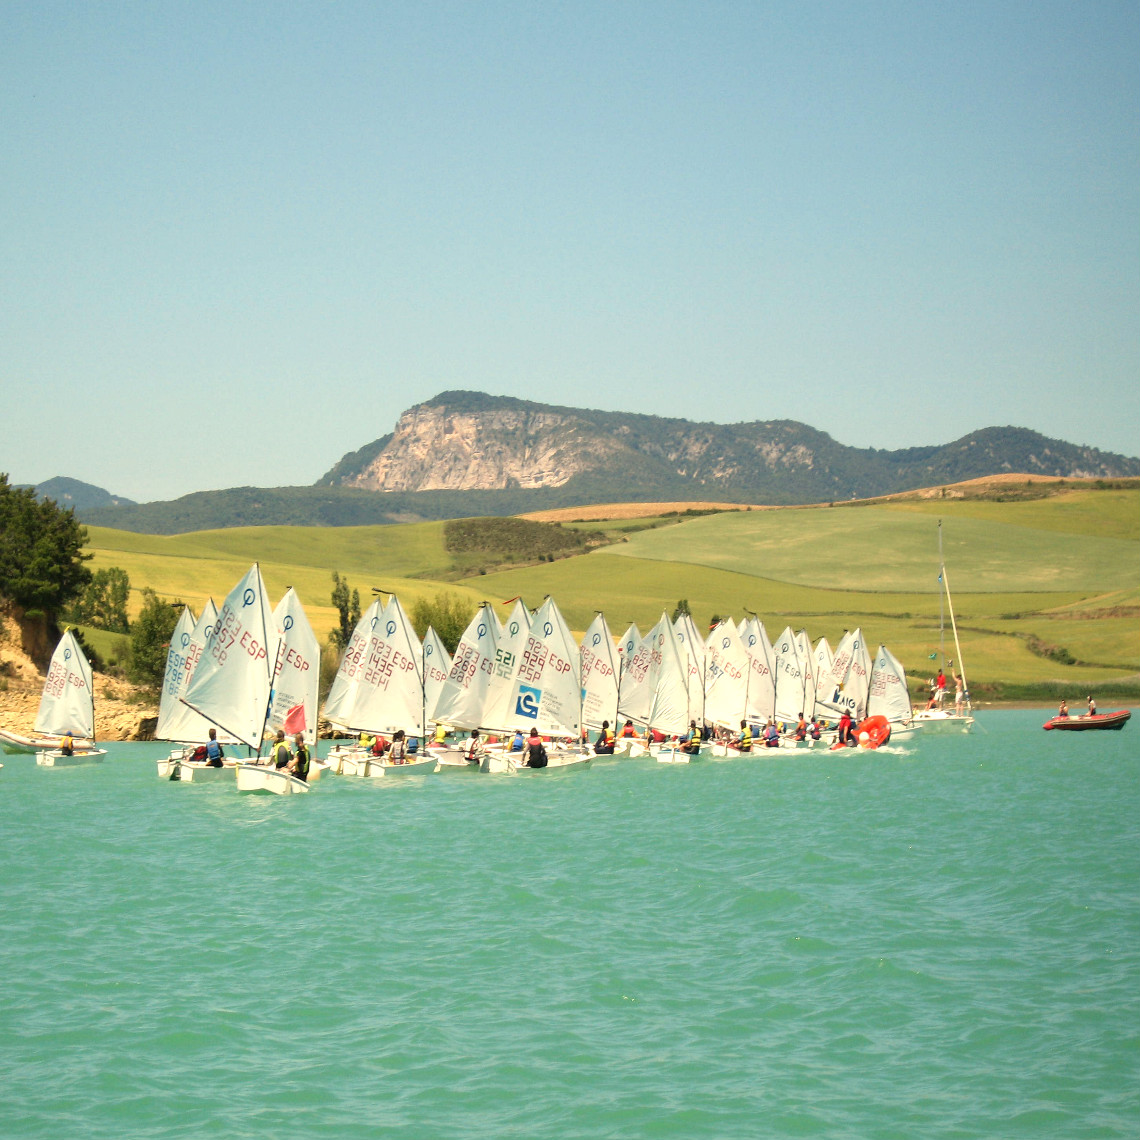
x: 295, y: 719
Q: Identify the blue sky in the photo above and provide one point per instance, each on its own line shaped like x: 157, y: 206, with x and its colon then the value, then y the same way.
x: 239, y: 240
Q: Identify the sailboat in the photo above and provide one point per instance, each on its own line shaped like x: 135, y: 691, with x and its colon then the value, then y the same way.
x: 68, y: 706
x: 463, y: 696
x: 380, y: 689
x: 729, y: 676
x: 232, y: 684
x: 938, y: 719
x: 177, y: 723
x: 889, y: 696
x: 669, y: 684
x: 545, y: 692
x: 599, y: 670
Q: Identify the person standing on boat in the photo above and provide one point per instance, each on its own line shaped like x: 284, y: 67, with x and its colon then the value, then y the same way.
x: 940, y: 686
x: 1063, y: 708
x: 280, y: 754
x: 300, y: 765
x: 1092, y: 706
x: 959, y: 694
x: 215, y: 757
x: 535, y: 750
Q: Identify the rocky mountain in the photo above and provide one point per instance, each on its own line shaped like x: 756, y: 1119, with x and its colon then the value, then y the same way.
x: 468, y: 441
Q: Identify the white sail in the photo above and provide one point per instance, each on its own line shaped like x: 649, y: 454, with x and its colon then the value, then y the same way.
x: 789, y: 678
x: 463, y: 695
x: 668, y: 680
x: 598, y: 663
x: 824, y: 661
x: 68, y: 700
x: 174, y: 678
x: 850, y: 677
x: 182, y: 723
x: 726, y: 701
x: 297, y: 675
x: 341, y: 701
x: 807, y: 663
x: 231, y: 684
x: 547, y: 689
x: 889, y: 696
x: 761, y: 673
x: 436, y: 666
x: 389, y: 685
x: 509, y: 646
x: 693, y: 655
x: 858, y: 687
x: 636, y: 692
x: 630, y: 640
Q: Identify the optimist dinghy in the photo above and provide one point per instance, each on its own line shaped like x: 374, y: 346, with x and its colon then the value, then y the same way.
x: 68, y: 705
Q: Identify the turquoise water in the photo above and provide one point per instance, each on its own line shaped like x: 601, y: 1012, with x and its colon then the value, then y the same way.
x: 940, y: 940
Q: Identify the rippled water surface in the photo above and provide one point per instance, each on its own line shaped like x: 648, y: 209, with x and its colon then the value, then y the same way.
x: 941, y: 939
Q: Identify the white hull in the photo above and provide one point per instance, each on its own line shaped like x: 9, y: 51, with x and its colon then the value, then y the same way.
x: 16, y: 745
x: 452, y: 760
x: 263, y: 778
x: 199, y: 772
x: 514, y: 763
x: 940, y: 722
x: 58, y: 760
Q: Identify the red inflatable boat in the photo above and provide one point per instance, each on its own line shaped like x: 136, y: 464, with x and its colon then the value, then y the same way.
x: 1116, y: 719
x: 870, y: 733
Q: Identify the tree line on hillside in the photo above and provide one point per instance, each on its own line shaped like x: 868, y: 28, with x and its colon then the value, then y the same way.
x: 43, y: 573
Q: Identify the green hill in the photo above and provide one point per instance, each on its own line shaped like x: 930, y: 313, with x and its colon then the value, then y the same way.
x: 1046, y: 592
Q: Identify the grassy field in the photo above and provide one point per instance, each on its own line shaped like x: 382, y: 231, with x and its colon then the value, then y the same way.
x: 194, y: 567
x: 1046, y: 591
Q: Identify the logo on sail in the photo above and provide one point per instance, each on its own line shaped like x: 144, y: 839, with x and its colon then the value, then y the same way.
x: 527, y: 701
x: 249, y: 597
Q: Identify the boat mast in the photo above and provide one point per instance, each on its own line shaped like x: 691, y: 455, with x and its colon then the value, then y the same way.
x: 941, y: 609
x: 950, y: 606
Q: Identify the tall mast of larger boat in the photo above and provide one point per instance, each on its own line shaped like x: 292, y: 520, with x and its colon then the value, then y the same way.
x: 950, y: 606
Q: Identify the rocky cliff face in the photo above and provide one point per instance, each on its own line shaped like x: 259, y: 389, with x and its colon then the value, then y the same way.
x: 438, y: 448
x: 441, y: 446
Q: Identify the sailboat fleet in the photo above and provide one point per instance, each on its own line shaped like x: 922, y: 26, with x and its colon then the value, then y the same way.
x: 245, y: 673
